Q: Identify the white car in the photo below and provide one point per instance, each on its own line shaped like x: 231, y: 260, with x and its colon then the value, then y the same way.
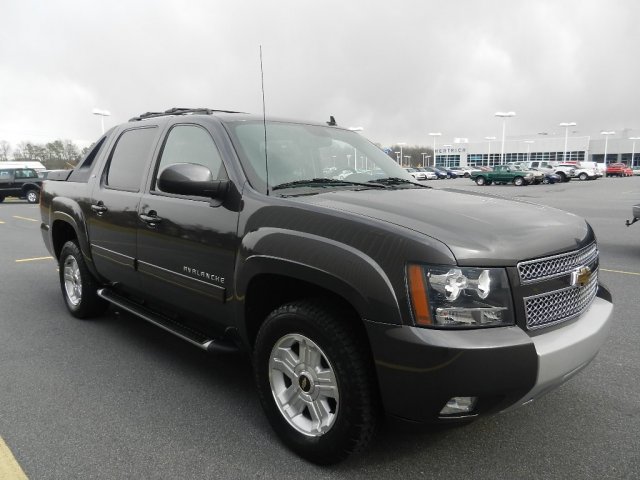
x: 583, y: 172
x: 417, y: 174
x: 468, y: 171
x: 429, y: 174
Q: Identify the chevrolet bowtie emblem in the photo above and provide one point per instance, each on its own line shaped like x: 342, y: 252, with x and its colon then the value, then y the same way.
x: 580, y: 276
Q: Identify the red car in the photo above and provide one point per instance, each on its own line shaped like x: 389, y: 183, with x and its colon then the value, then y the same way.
x: 618, y: 170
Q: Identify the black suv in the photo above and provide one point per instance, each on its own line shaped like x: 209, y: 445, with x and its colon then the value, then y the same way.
x: 20, y: 182
x: 354, y: 288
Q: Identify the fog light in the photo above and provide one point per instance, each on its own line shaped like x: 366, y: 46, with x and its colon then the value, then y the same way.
x: 459, y: 405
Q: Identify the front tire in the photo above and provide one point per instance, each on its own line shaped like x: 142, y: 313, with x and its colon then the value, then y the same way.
x: 518, y: 181
x: 583, y: 176
x: 79, y: 288
x: 315, y: 381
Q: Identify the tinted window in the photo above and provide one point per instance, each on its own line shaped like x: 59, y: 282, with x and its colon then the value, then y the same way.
x: 93, y: 153
x: 192, y: 144
x: 129, y: 158
x: 26, y: 173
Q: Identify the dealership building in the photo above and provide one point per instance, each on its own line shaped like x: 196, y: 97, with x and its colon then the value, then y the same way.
x: 618, y: 148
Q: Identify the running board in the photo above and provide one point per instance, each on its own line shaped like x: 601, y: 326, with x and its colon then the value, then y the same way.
x: 194, y: 337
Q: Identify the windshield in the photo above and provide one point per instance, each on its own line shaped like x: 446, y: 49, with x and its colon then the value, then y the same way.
x: 307, y: 156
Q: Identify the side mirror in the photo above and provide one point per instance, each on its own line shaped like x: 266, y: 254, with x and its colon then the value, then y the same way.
x: 191, y: 179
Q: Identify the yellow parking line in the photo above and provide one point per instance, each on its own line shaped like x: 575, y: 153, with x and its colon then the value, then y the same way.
x: 25, y: 218
x: 619, y: 271
x: 9, y: 467
x: 1, y: 222
x: 35, y: 259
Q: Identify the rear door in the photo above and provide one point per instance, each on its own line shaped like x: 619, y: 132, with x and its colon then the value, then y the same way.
x: 187, y: 253
x: 112, y: 217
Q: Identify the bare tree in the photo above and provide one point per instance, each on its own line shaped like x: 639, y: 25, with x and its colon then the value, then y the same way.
x: 5, y: 148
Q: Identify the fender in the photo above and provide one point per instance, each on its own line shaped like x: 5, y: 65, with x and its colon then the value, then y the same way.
x: 334, y: 266
x: 68, y: 211
x: 29, y: 186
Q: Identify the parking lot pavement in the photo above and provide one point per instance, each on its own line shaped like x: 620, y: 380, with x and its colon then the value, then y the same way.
x: 118, y: 398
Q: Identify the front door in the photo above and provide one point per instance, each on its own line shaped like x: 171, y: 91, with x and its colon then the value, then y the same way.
x: 186, y: 245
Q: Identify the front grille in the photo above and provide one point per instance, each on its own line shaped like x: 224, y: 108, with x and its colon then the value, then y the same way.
x: 557, y: 265
x: 560, y: 305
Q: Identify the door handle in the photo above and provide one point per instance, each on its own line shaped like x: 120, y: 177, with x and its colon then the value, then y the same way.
x: 152, y: 218
x: 99, y: 208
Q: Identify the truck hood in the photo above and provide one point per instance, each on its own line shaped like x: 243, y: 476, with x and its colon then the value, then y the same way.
x: 480, y: 230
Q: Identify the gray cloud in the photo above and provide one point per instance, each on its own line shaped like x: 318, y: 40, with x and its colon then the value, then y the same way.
x: 398, y: 69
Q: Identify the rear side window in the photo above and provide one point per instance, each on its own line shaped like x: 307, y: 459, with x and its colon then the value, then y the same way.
x: 129, y: 158
x: 26, y: 173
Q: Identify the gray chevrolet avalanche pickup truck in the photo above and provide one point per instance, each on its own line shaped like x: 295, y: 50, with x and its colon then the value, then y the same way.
x: 356, y: 294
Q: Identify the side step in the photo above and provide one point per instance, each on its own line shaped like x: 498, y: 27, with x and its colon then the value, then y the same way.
x: 194, y: 337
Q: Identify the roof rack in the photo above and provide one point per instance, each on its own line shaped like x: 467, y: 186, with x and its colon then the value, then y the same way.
x: 179, y: 111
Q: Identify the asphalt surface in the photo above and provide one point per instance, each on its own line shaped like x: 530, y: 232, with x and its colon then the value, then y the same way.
x: 119, y: 398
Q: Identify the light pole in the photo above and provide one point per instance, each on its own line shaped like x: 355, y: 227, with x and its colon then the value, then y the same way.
x: 355, y: 151
x: 489, y: 152
x: 566, y: 126
x: 504, y: 116
x: 434, y: 135
x: 633, y: 149
x: 606, y: 142
x: 423, y: 155
x: 529, y: 142
x: 401, y: 158
x: 101, y: 114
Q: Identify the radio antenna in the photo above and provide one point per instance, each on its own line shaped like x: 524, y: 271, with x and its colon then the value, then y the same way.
x: 264, y: 123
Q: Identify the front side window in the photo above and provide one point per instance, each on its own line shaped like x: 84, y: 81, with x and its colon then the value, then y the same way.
x: 191, y: 144
x: 129, y: 158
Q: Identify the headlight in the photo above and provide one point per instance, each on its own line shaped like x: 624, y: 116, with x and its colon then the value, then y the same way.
x: 459, y: 297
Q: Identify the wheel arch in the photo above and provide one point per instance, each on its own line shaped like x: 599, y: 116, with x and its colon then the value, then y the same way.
x: 267, y: 282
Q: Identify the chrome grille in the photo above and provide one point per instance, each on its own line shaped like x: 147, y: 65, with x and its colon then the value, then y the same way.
x: 560, y: 305
x: 550, y: 267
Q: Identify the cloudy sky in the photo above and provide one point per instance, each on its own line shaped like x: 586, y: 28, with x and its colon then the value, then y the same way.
x: 398, y: 69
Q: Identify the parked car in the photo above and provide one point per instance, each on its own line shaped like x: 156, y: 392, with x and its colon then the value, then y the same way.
x: 430, y: 175
x: 21, y: 183
x: 582, y: 172
x: 468, y: 171
x: 456, y: 172
x: 504, y: 174
x: 538, y: 176
x: 440, y: 174
x: 564, y: 172
x: 417, y: 174
x: 353, y: 298
x: 549, y: 177
x: 618, y: 170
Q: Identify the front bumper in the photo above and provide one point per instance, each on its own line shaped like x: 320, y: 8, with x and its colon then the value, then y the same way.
x: 419, y: 370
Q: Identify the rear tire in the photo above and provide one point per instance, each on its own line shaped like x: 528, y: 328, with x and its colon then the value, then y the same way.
x: 79, y: 287
x: 480, y: 180
x: 33, y: 196
x: 583, y: 176
x: 315, y: 381
x: 518, y: 181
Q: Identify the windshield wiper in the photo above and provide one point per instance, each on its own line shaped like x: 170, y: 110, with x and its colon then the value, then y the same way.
x: 396, y: 181
x: 324, y: 182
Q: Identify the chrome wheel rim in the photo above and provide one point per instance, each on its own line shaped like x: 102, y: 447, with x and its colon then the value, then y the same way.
x: 72, y: 281
x: 32, y: 197
x: 304, y: 385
